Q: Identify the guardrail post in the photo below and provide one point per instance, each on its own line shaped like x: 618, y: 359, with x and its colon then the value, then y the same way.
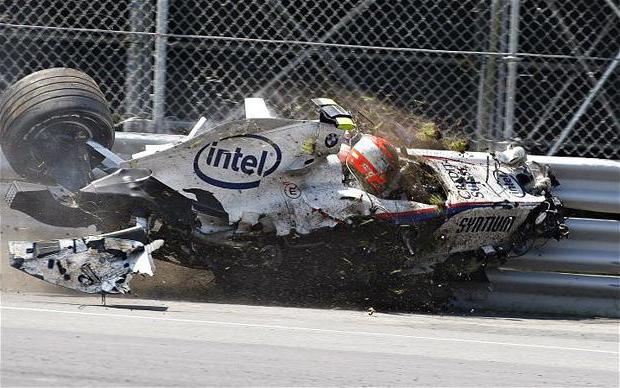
x: 159, y: 77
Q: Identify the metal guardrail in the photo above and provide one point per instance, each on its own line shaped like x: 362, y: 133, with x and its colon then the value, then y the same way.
x: 570, y: 284
x: 592, y: 248
x: 494, y: 298
x: 578, y: 276
x: 586, y: 184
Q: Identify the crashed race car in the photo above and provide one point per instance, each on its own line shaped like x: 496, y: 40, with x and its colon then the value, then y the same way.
x: 257, y: 194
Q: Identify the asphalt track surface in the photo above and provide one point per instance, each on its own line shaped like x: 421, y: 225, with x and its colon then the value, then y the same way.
x: 54, y: 340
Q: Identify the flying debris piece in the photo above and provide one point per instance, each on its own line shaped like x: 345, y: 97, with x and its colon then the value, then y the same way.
x: 255, y: 108
x: 93, y: 264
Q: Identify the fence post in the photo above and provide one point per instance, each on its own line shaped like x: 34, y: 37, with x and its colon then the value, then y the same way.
x: 512, y: 59
x: 488, y: 77
x: 159, y: 77
x: 137, y: 92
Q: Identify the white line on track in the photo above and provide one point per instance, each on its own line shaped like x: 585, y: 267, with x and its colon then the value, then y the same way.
x: 310, y: 329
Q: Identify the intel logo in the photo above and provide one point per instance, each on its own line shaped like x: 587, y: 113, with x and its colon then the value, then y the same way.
x: 508, y: 183
x: 237, y: 162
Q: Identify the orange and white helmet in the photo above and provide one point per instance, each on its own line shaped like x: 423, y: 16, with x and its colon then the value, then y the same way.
x: 374, y: 161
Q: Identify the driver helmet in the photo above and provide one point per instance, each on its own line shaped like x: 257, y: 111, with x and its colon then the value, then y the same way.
x: 374, y: 161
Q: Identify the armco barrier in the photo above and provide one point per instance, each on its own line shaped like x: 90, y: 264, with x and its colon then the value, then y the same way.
x: 592, y: 248
x: 586, y: 184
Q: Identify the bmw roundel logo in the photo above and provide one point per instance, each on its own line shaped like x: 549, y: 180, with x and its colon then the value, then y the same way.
x: 331, y: 140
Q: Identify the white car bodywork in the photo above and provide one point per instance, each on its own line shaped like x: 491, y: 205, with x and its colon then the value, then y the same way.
x: 269, y: 176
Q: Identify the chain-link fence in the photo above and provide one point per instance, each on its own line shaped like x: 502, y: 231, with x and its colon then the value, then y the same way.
x: 544, y: 71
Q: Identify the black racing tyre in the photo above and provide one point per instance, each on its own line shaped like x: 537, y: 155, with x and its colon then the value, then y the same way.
x: 48, y: 113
